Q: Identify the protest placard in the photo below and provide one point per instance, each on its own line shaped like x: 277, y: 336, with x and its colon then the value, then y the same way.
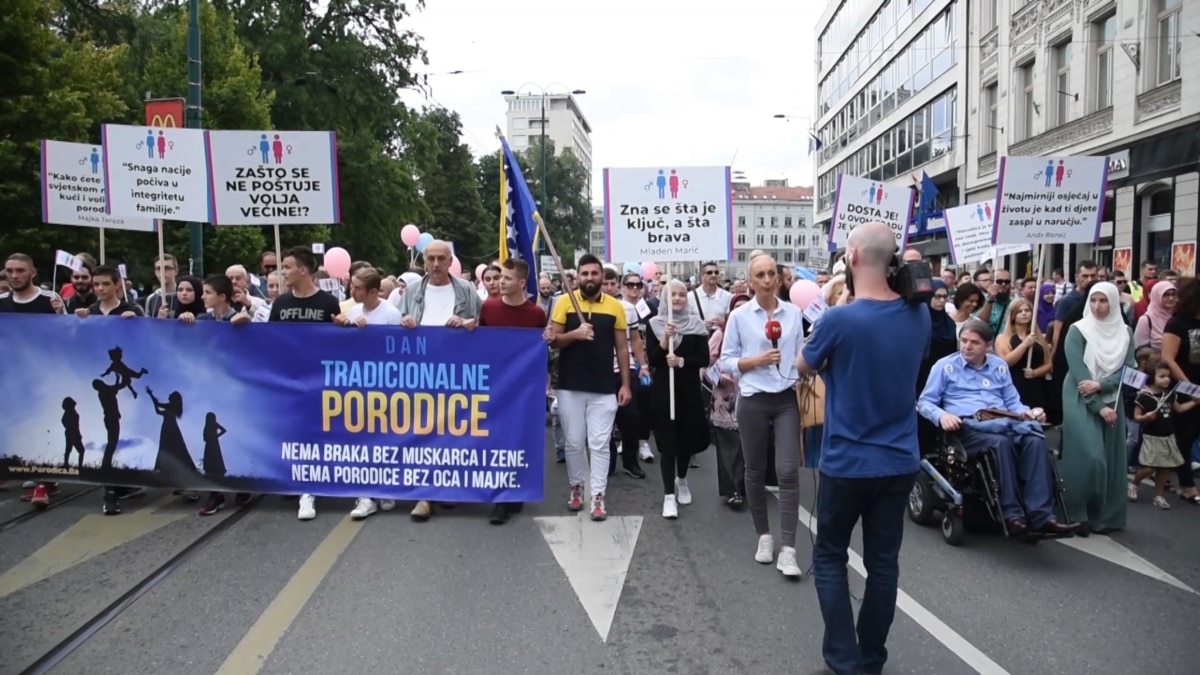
x: 668, y: 214
x: 861, y: 201
x: 73, y: 188
x: 274, y: 177
x: 155, y: 173
x: 1050, y: 200
x: 969, y: 228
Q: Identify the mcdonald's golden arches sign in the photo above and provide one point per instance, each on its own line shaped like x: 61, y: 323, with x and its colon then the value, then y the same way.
x: 165, y: 112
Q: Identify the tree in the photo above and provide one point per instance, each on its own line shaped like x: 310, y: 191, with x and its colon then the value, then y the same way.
x: 339, y: 65
x: 52, y: 89
x: 569, y: 215
x: 448, y: 187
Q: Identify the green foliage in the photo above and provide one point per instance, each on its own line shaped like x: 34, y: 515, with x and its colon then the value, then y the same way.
x: 448, y: 185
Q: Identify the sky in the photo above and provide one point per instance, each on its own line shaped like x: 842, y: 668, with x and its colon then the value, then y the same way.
x: 667, y: 81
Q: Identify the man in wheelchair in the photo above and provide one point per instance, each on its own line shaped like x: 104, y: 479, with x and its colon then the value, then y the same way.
x: 971, y: 393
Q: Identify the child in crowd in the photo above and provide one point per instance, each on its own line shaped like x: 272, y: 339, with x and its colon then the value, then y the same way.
x: 1133, y: 437
x: 1154, y: 410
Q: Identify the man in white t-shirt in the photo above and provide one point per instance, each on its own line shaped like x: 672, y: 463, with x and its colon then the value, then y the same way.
x: 439, y: 299
x: 709, y: 300
x: 369, y: 310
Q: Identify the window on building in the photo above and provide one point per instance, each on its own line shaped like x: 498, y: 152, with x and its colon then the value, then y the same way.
x: 1104, y: 33
x: 774, y: 221
x: 1062, y: 94
x: 1026, y: 112
x: 802, y: 241
x: 774, y: 240
x: 991, y: 118
x: 741, y: 221
x: 741, y: 239
x: 741, y: 256
x: 801, y: 221
x: 758, y: 239
x: 1168, y: 39
x: 760, y: 221
x: 787, y: 240
x: 787, y: 221
x: 787, y: 256
x: 987, y: 16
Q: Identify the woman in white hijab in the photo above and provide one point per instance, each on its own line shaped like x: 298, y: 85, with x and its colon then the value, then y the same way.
x: 1094, y: 455
x: 686, y: 435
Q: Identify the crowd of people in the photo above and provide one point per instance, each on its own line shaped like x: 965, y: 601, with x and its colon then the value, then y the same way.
x: 635, y: 361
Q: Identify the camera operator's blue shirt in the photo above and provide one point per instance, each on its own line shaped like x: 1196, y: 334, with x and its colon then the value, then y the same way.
x: 869, y: 354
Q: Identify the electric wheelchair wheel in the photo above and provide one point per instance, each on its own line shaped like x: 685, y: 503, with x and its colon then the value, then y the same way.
x: 921, y: 500
x: 952, y: 528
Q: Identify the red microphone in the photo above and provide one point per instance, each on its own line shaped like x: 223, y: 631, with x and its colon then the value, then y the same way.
x: 774, y: 332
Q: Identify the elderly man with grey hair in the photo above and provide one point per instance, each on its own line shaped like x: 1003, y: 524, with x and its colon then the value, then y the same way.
x: 242, y: 293
x: 439, y: 299
x: 868, y: 353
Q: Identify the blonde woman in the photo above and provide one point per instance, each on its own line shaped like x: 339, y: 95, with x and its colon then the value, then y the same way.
x: 1020, y: 338
x: 834, y: 290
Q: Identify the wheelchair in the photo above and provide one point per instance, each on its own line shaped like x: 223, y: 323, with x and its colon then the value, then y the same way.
x: 965, y: 490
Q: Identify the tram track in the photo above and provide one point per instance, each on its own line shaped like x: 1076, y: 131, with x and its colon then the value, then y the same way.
x: 90, y: 628
x: 34, y: 512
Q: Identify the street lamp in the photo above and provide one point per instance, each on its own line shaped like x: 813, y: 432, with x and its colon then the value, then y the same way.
x: 544, y: 91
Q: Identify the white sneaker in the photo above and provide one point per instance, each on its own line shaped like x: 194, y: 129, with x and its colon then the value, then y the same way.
x: 308, y: 507
x: 766, y: 549
x: 387, y: 504
x: 644, y: 452
x: 683, y: 494
x: 363, y: 508
x: 787, y: 562
x: 670, y: 508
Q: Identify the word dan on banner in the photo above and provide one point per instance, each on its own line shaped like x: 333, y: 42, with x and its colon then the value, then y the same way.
x: 73, y: 188
x: 274, y: 177
x: 427, y: 413
x: 156, y: 172
x: 860, y: 201
x: 1050, y: 200
x: 669, y: 214
x: 969, y: 228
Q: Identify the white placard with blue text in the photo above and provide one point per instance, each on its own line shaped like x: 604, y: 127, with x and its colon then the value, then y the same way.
x: 274, y: 177
x: 969, y: 228
x: 154, y: 172
x: 861, y: 201
x: 1050, y: 200
x: 668, y: 214
x: 73, y: 188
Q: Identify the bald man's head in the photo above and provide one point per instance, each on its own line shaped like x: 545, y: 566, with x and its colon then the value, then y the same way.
x: 871, y: 245
x: 912, y: 255
x: 437, y: 261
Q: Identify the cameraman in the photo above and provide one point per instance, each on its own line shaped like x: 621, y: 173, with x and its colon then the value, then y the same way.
x: 869, y: 455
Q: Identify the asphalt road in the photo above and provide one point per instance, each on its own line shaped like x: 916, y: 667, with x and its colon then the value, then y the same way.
x: 546, y: 593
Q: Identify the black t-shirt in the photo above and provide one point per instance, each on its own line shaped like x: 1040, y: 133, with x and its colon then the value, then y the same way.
x: 320, y: 307
x: 42, y: 303
x: 1069, y: 311
x: 1187, y: 329
x: 79, y: 301
x: 587, y: 365
x: 1164, y: 424
x: 121, y: 308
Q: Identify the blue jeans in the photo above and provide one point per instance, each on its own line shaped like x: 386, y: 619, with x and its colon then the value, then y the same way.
x: 880, y: 503
x: 1025, y: 476
x: 812, y: 446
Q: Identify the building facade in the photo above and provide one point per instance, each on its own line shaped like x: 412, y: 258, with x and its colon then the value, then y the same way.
x: 1094, y: 77
x: 597, y: 244
x: 890, y: 82
x: 565, y: 126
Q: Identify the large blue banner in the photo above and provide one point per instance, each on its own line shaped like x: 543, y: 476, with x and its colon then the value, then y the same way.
x: 425, y: 413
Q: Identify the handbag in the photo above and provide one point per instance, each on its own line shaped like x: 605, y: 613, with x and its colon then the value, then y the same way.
x: 810, y: 396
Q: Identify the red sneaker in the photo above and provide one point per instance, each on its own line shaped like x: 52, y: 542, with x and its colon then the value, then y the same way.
x: 575, y: 503
x: 39, y: 498
x: 598, y: 510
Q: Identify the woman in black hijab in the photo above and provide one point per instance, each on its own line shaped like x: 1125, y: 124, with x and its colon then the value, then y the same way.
x: 943, y: 341
x: 188, y: 298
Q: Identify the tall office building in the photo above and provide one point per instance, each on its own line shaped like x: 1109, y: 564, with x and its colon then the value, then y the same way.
x: 565, y: 124
x: 890, y: 77
x: 1102, y: 77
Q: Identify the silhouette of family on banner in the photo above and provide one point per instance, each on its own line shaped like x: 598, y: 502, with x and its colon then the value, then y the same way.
x: 173, y: 462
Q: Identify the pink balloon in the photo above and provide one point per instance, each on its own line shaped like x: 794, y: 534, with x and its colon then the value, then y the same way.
x: 804, y: 292
x: 456, y: 267
x: 479, y: 270
x: 337, y: 262
x: 409, y: 234
x: 649, y: 270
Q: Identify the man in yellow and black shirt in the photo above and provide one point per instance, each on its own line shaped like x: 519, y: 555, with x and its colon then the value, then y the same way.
x: 588, y: 397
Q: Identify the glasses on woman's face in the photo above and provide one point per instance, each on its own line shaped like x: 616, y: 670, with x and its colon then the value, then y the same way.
x: 940, y: 296
x: 635, y: 284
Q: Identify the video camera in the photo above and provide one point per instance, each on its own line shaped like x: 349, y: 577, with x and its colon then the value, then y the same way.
x: 912, y: 281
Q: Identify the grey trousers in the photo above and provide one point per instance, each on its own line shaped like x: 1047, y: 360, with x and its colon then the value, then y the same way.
x: 758, y: 416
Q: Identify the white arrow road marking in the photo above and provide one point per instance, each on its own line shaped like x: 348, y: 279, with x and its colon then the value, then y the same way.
x: 1106, y: 549
x: 595, y: 558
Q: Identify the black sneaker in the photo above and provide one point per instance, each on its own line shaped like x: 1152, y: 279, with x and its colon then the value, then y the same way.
x: 214, y: 504
x: 112, y: 503
x: 499, y: 515
x: 635, y: 472
x: 241, y: 499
